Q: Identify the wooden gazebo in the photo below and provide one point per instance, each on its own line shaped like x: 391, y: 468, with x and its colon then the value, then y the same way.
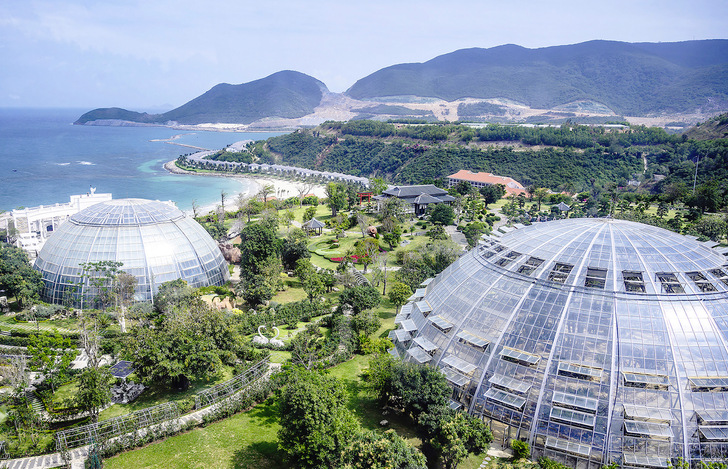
x: 313, y: 226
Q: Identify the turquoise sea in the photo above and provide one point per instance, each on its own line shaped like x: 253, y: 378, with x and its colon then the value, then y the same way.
x: 44, y: 159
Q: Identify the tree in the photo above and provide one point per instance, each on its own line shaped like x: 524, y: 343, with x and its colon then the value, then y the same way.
x: 492, y: 193
x: 463, y: 188
x: 336, y: 197
x: 100, y: 277
x: 437, y: 232
x: 388, y: 451
x: 258, y: 246
x: 416, y: 389
x: 303, y: 190
x: 307, y: 347
x: 366, y: 249
x: 394, y: 208
x: 540, y: 194
x: 377, y: 185
x: 292, y: 250
x: 288, y: 217
x: 458, y: 434
x: 316, y: 426
x: 393, y: 237
x: 365, y: 323
x: 52, y: 355
x: 309, y: 213
x: 310, y: 279
x: 398, y: 294
x: 427, y: 262
x: 360, y: 298
x: 443, y: 214
x: 223, y: 197
x: 255, y: 289
x: 188, y: 344
x: 171, y: 294
x: 17, y: 277
x: 265, y: 191
x: 94, y: 391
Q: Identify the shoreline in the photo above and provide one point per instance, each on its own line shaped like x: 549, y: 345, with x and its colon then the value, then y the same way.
x: 284, y: 188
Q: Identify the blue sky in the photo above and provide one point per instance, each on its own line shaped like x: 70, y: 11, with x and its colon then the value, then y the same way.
x: 159, y: 54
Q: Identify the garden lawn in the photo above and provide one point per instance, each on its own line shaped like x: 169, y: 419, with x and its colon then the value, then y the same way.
x: 159, y: 394
x: 66, y: 326
x: 245, y: 440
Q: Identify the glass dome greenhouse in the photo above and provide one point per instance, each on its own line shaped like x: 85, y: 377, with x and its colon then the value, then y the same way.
x: 594, y: 340
x: 154, y: 241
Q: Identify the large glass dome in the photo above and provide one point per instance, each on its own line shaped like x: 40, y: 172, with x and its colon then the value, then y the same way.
x: 594, y: 340
x: 153, y: 240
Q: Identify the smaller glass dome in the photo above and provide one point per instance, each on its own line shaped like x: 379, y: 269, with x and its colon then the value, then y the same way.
x: 154, y: 241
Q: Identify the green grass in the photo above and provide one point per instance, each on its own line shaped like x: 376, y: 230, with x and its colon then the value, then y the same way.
x: 246, y: 440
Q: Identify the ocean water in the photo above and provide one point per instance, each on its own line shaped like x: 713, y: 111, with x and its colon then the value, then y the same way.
x: 44, y: 159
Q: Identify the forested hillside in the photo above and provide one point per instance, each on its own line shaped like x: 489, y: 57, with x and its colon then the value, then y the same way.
x: 572, y: 158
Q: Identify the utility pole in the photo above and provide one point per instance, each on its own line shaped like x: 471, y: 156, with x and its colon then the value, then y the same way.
x: 695, y: 178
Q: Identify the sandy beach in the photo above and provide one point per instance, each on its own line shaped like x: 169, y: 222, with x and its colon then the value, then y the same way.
x: 283, y: 188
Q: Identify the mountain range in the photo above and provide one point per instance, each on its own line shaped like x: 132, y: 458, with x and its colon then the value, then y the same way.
x: 604, y: 80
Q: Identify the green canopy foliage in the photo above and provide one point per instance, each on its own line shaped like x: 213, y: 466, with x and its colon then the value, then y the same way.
x: 316, y: 426
x: 17, y: 277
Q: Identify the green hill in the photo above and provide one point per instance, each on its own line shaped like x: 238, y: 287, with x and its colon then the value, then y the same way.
x: 715, y: 128
x: 285, y: 94
x: 631, y: 79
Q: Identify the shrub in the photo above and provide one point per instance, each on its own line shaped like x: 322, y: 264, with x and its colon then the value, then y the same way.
x: 521, y: 450
x: 546, y: 463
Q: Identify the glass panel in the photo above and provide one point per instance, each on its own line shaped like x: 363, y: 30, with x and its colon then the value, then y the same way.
x: 473, y: 340
x: 670, y: 283
x: 519, y: 356
x: 454, y: 377
x: 409, y: 325
x: 701, y: 282
x: 425, y: 343
x: 713, y: 417
x: 560, y: 272
x: 709, y: 384
x: 647, y: 413
x: 573, y: 417
x: 654, y: 430
x: 595, y: 278
x: 579, y: 371
x: 640, y: 380
x: 419, y: 355
x: 573, y: 401
x: 633, y: 281
x: 440, y: 323
x: 714, y: 433
x: 510, y: 384
x: 645, y: 461
x: 458, y: 364
x: 567, y: 446
x: 506, y: 398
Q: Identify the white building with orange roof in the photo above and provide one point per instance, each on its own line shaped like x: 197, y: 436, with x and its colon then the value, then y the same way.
x: 479, y: 180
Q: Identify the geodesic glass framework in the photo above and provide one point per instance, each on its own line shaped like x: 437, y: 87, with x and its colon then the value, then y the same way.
x: 595, y: 340
x: 154, y: 241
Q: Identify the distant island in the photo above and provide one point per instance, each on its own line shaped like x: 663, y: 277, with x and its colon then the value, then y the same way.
x: 678, y: 84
